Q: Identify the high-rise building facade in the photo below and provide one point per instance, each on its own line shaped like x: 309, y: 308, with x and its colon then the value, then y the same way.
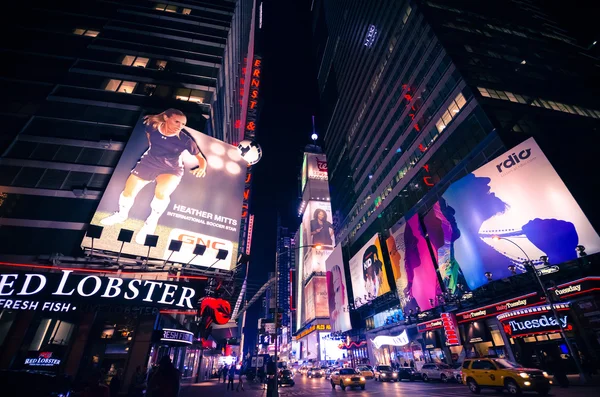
x: 406, y: 107
x: 80, y: 77
x: 415, y: 95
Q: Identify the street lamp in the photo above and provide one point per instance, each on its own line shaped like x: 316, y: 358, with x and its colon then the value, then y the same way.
x: 529, y: 265
x: 275, y: 312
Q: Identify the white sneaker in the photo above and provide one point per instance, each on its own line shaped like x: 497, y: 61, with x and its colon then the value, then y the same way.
x: 115, y: 218
x: 148, y: 228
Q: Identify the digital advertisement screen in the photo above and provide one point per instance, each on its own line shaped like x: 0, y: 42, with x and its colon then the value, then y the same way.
x: 337, y: 291
x: 177, y: 183
x: 519, y: 197
x: 441, y: 236
x: 413, y: 268
x: 315, y: 294
x: 369, y: 279
x: 317, y: 221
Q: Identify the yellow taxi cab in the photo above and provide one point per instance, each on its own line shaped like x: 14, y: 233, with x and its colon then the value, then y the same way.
x: 347, y: 377
x: 366, y: 371
x: 501, y: 374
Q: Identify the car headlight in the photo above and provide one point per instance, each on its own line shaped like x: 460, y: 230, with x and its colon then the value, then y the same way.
x: 394, y: 375
x: 347, y: 379
x: 382, y: 374
x: 545, y: 374
x: 524, y: 375
x: 362, y: 378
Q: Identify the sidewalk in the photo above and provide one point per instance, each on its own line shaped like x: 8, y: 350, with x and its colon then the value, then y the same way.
x: 212, y: 387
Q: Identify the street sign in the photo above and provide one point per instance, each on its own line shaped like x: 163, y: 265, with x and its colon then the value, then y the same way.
x: 259, y: 361
x: 547, y: 270
x: 270, y: 328
x: 253, y: 362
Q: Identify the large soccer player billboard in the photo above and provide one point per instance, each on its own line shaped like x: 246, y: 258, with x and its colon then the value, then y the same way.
x: 367, y: 271
x: 520, y: 197
x: 177, y: 183
x: 337, y: 292
x: 414, y: 272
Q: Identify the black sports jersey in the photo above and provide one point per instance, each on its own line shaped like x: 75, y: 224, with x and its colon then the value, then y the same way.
x: 165, y: 151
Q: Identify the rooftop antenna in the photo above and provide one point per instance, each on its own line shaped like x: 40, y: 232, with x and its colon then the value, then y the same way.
x: 314, y: 135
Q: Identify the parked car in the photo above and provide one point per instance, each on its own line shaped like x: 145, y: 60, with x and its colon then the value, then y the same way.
x: 366, y: 371
x: 385, y: 373
x: 347, y: 377
x: 286, y: 377
x: 501, y: 374
x: 315, y: 373
x: 408, y: 373
x: 438, y: 371
x: 457, y: 370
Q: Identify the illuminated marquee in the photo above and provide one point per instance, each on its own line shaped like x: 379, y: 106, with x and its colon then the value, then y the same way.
x: 318, y: 327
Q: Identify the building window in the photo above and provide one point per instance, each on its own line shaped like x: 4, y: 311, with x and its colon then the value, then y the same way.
x: 165, y: 7
x: 86, y: 32
x: 120, y: 86
x: 132, y: 60
x: 188, y: 95
x: 161, y: 65
x: 551, y: 105
x: 186, y: 11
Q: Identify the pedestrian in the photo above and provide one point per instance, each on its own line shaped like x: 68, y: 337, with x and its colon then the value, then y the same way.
x: 115, y: 383
x: 231, y: 375
x: 240, y: 382
x: 138, y: 383
x: 412, y: 363
x: 165, y: 381
x: 96, y: 387
x: 224, y: 373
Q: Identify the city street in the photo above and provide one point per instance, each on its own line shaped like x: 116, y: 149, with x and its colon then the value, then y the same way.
x: 322, y: 387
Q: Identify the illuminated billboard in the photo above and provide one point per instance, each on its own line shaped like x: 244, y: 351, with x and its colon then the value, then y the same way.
x: 337, y: 291
x: 177, y: 183
x: 519, y: 197
x: 369, y: 279
x: 317, y: 221
x: 441, y: 234
x: 414, y: 272
x: 315, y: 293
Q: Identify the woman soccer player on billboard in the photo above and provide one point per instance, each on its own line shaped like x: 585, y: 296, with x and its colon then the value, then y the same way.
x: 161, y: 162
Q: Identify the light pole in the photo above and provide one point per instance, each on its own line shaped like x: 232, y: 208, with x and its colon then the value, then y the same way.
x: 529, y: 265
x: 275, y: 312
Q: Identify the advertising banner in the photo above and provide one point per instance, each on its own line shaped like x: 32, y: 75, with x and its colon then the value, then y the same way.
x: 520, y: 198
x: 309, y: 301
x: 177, y: 183
x: 63, y: 291
x: 369, y: 279
x: 321, y: 301
x: 316, y: 166
x: 441, y: 235
x: 337, y: 291
x: 414, y: 272
x: 536, y: 320
x: 317, y: 223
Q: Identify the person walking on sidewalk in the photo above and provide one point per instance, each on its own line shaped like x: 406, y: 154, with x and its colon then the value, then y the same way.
x: 224, y: 373
x: 240, y: 382
x: 231, y: 377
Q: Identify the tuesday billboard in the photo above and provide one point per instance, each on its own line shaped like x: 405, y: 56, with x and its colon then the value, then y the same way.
x: 520, y: 198
x: 177, y: 183
x: 367, y: 271
x: 337, y: 291
x: 412, y: 266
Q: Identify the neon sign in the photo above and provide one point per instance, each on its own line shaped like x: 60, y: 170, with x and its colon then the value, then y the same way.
x: 176, y: 335
x: 371, y: 36
x: 44, y: 359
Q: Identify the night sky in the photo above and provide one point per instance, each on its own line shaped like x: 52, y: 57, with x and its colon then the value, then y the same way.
x: 289, y: 93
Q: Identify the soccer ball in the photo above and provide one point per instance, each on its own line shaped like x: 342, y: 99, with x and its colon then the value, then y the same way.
x: 250, y: 151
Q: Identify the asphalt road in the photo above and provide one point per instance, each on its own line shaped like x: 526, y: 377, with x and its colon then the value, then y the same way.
x: 321, y: 388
